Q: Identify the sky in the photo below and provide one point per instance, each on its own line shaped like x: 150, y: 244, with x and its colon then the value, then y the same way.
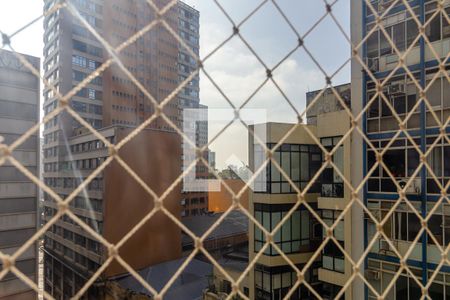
x: 233, y: 67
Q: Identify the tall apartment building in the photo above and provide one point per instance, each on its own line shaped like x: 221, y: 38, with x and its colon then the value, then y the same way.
x: 19, y: 111
x: 193, y: 202
x: 273, y: 197
x: 189, y: 32
x: 112, y: 104
x: 402, y: 159
x: 112, y: 204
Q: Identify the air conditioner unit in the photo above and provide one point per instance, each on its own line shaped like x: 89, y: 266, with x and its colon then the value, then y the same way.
x: 259, y: 294
x: 372, y: 64
x: 376, y: 275
x: 384, y: 246
x: 384, y: 4
x: 375, y: 214
x: 436, y: 107
x: 396, y: 89
x: 446, y: 30
x: 373, y: 275
x: 414, y: 187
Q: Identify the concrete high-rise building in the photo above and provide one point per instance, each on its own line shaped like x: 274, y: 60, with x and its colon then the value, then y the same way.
x: 273, y: 197
x: 196, y: 202
x: 212, y: 159
x: 189, y: 32
x: 19, y: 111
x: 193, y: 202
x: 112, y: 204
x: 402, y: 159
x: 114, y: 105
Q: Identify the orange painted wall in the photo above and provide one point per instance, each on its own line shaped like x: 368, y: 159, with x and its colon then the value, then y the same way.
x: 156, y: 157
x: 222, y: 200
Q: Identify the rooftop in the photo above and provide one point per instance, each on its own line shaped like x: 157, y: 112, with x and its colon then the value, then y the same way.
x: 189, y: 285
x: 236, y: 222
x: 236, y: 260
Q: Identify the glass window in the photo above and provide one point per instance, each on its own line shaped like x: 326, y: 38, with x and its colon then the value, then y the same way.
x: 276, y: 217
x: 436, y: 291
x: 305, y: 166
x: 433, y: 30
x: 91, y: 93
x: 446, y: 230
x: 296, y: 224
x: 332, y: 256
x: 447, y: 161
x: 399, y: 36
x: 413, y: 226
x: 412, y: 99
x: 446, y: 93
x: 433, y: 94
x: 286, y: 233
x: 412, y: 32
x: 385, y: 110
x: 401, y: 287
x: 305, y: 220
x: 92, y: 65
x: 274, y: 283
x: 372, y: 45
x: 385, y: 46
x: 332, y: 183
x: 295, y: 174
x: 395, y: 162
x: 338, y: 159
x: 434, y: 160
x: 413, y: 161
x: 294, y: 234
x: 266, y: 220
x: 374, y: 109
x: 275, y: 173
x: 400, y: 226
x: 299, y: 162
x: 371, y: 160
x: 435, y: 224
x: 446, y: 24
x: 399, y: 103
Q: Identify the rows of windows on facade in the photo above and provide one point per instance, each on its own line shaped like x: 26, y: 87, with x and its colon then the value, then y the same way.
x: 302, y: 234
x: 112, y: 103
x: 402, y: 158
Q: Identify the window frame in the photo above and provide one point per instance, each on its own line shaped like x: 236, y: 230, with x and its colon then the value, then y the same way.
x: 264, y: 214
